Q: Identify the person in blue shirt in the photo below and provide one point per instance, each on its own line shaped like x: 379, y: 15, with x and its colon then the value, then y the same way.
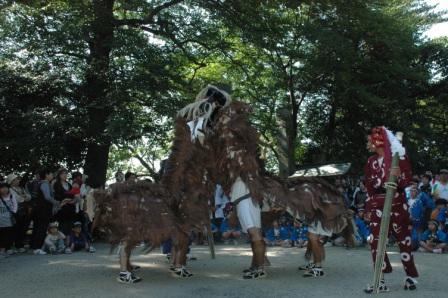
x: 362, y: 229
x: 229, y: 232
x: 278, y: 235
x: 442, y: 218
x: 419, y: 203
x: 299, y: 234
x: 433, y: 240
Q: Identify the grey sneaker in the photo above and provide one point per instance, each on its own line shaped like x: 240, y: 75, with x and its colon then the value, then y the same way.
x: 128, y: 278
x: 307, y: 266
x: 381, y: 289
x: 314, y: 272
x: 255, y: 274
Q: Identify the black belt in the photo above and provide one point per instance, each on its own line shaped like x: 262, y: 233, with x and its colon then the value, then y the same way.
x: 237, y: 201
x: 380, y: 191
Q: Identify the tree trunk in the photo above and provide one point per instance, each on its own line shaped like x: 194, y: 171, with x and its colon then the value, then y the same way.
x: 287, y: 138
x: 96, y: 91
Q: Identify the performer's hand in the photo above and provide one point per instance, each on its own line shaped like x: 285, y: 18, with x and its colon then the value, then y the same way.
x: 395, y: 172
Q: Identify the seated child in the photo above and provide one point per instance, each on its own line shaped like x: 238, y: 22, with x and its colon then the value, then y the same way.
x: 299, y: 234
x: 77, y: 240
x: 433, y: 240
x: 362, y: 228
x: 54, y: 242
x: 229, y: 232
x: 278, y: 235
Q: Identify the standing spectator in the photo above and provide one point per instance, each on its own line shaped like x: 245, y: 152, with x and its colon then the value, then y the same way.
x: 119, y: 176
x: 360, y: 196
x: 23, y: 211
x: 44, y: 209
x: 419, y: 203
x: 433, y: 239
x: 425, y: 185
x: 440, y: 189
x: 62, y: 193
x: 221, y: 201
x: 8, y: 209
x: 33, y: 187
x: 442, y: 217
x: 130, y: 177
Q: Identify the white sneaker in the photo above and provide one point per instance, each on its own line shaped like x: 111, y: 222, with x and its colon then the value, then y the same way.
x: 437, y: 250
x: 39, y: 252
x: 92, y: 249
x: 68, y: 251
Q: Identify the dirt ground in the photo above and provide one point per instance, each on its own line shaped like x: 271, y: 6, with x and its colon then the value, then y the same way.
x: 93, y: 275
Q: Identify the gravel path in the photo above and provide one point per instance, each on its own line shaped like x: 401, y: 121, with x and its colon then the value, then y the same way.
x: 93, y: 275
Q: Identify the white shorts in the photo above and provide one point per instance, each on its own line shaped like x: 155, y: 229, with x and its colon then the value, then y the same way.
x: 316, y: 228
x: 249, y: 214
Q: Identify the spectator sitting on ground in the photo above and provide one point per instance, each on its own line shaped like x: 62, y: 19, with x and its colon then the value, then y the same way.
x: 278, y: 235
x: 77, y: 240
x: 299, y: 234
x: 433, y: 239
x: 228, y: 232
x: 362, y: 229
x: 54, y: 242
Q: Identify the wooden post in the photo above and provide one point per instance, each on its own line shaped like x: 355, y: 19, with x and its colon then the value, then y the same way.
x: 391, y: 187
x: 211, y: 241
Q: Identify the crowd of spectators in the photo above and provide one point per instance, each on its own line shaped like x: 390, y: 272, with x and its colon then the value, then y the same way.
x: 47, y: 214
x: 52, y: 214
x: 427, y: 198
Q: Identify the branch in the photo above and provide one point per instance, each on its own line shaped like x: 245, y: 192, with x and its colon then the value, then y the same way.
x: 148, y: 19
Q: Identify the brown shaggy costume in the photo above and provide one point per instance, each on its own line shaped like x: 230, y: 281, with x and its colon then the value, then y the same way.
x: 179, y: 203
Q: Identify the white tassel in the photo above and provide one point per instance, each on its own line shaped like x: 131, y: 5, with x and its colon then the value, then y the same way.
x: 395, y: 144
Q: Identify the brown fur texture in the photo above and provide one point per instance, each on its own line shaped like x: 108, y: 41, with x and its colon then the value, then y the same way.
x: 180, y: 203
x: 133, y: 212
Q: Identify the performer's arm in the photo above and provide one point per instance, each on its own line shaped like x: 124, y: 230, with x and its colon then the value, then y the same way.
x: 406, y: 174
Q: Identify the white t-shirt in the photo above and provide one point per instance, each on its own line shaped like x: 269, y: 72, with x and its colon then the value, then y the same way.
x: 441, y: 190
x: 220, y: 201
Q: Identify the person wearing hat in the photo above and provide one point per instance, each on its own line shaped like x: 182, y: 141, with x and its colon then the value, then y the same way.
x: 55, y: 241
x: 23, y: 212
x: 433, y: 240
x: 8, y: 209
x: 440, y: 188
x: 77, y: 240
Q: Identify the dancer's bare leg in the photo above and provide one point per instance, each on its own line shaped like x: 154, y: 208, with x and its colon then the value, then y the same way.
x: 126, y: 276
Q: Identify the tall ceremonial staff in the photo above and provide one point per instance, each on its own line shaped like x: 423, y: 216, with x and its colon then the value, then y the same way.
x: 391, y: 189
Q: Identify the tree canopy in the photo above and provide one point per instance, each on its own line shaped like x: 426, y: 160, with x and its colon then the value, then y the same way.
x: 92, y: 84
